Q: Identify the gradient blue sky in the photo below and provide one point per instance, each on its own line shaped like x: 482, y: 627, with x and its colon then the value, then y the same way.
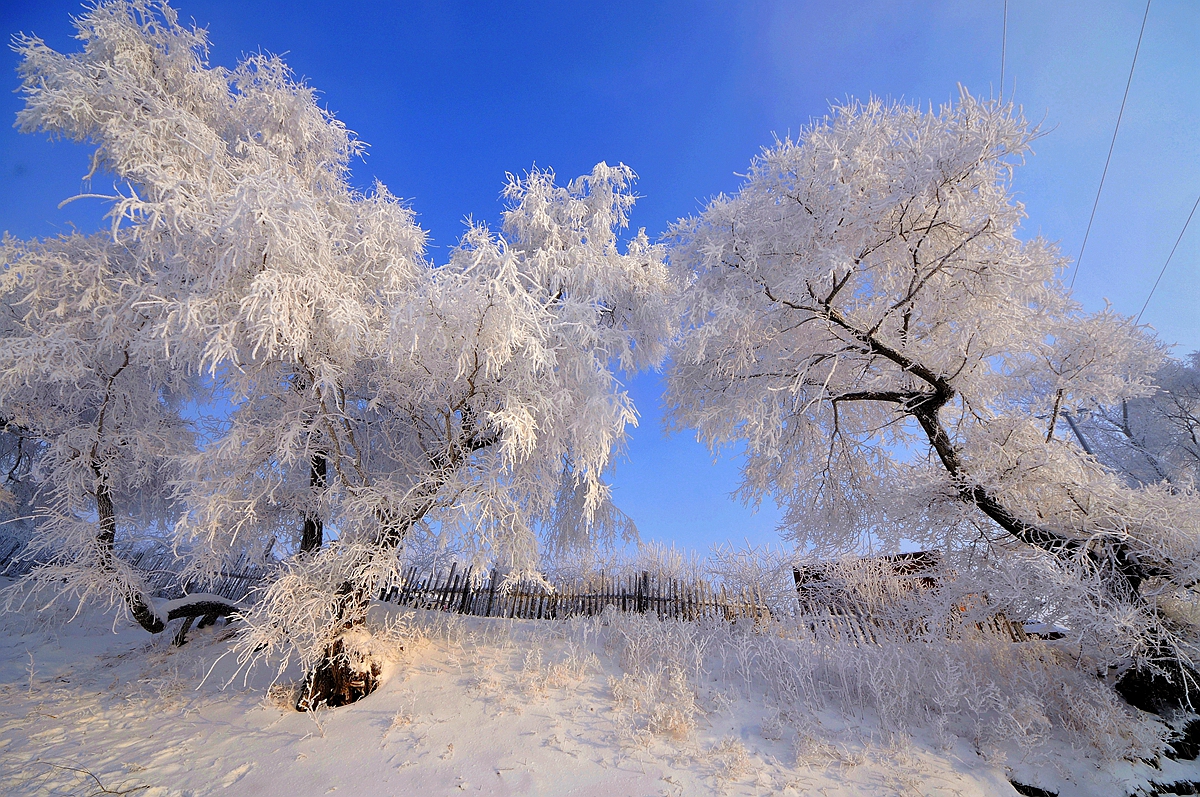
x: 450, y: 96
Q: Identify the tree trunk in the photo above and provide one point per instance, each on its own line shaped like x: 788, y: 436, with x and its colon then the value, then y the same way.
x: 335, y: 680
x: 338, y: 679
x: 1114, y: 559
x: 313, y: 534
x: 1128, y: 573
x: 1162, y: 692
x: 105, y: 511
x: 137, y: 603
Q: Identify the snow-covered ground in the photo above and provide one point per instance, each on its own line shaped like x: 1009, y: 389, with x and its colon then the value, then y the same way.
x: 483, y: 706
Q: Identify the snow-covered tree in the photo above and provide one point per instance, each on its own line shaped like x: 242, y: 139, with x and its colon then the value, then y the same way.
x: 19, y: 499
x: 865, y: 317
x: 368, y: 390
x: 95, y: 411
x: 1151, y: 439
x: 491, y: 404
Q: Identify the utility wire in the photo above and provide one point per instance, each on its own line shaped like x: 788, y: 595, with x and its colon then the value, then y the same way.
x: 1113, y: 143
x: 1164, y: 268
x: 1003, y: 49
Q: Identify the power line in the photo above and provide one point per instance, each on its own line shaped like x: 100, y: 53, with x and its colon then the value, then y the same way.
x: 1113, y: 143
x: 1164, y: 268
x: 1003, y: 48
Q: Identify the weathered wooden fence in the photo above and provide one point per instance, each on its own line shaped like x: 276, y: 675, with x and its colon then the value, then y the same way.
x: 839, y: 612
x: 865, y: 629
x: 234, y: 584
x: 485, y: 595
x: 161, y: 570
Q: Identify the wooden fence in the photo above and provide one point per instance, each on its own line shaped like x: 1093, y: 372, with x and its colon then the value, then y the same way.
x: 235, y: 584
x: 864, y: 629
x: 485, y: 595
x: 466, y: 592
x: 161, y: 571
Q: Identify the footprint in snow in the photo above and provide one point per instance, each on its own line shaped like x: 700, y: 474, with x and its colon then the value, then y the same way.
x: 235, y: 775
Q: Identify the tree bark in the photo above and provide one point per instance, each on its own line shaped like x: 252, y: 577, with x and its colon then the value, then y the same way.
x: 335, y: 681
x: 105, y: 512
x: 312, y: 536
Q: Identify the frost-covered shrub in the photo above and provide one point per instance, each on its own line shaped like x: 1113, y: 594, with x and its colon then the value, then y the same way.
x: 1111, y: 635
x: 658, y: 702
x: 657, y: 558
x: 664, y: 667
x: 669, y: 562
x: 731, y: 761
x: 765, y: 571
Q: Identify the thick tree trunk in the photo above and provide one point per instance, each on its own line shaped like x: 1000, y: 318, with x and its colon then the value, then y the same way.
x: 1128, y: 573
x: 1162, y: 692
x: 925, y: 406
x: 338, y: 679
x: 106, y: 513
x: 1114, y: 559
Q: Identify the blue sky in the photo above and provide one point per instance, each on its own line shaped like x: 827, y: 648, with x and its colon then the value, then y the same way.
x: 450, y: 96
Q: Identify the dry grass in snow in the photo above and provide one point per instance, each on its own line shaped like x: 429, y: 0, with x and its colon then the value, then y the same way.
x: 616, y: 705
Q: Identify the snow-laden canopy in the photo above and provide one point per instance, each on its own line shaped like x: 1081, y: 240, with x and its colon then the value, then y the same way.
x: 360, y: 386
x: 865, y: 315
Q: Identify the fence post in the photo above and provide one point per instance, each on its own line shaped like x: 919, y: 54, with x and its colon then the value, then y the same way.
x: 443, y: 600
x: 466, y: 596
x: 491, y: 593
